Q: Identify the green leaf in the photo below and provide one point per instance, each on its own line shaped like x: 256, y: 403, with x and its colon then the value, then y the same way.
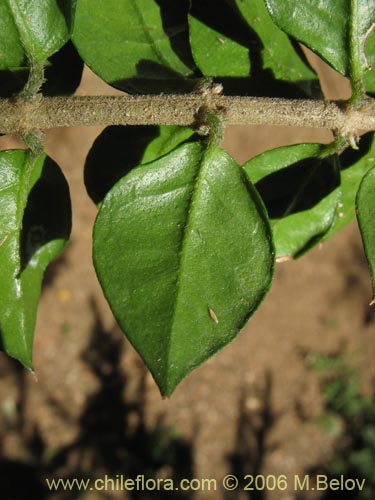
x: 219, y: 40
x: 298, y: 185
x: 237, y: 42
x: 135, y: 45
x: 35, y: 220
x: 335, y: 29
x: 118, y: 149
x: 32, y: 30
x: 354, y: 164
x: 285, y: 61
x: 183, y: 251
x: 366, y: 219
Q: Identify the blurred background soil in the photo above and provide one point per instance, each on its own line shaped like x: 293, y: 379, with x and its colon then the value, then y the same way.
x: 92, y: 409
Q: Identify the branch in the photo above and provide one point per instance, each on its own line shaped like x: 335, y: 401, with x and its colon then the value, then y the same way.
x: 40, y: 113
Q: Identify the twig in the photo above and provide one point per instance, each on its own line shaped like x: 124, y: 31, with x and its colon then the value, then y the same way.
x: 20, y: 116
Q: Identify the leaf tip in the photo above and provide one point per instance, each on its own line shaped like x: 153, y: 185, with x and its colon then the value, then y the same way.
x: 166, y: 392
x: 166, y: 387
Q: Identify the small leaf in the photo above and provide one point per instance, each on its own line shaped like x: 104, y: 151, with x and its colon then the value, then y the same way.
x: 35, y: 220
x: 366, y: 219
x: 353, y: 166
x: 135, y: 45
x: 118, y: 149
x: 176, y: 239
x: 32, y: 30
x: 335, y: 29
x: 298, y: 185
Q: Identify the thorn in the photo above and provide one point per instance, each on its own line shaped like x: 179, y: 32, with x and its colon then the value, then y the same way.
x: 372, y: 302
x: 213, y: 316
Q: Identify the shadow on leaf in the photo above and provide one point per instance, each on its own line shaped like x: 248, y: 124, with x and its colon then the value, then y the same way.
x: 47, y: 216
x: 63, y: 74
x: 298, y: 187
x: 226, y: 18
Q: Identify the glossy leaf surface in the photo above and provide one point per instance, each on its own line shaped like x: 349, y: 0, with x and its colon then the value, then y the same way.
x: 136, y: 45
x: 366, y: 219
x: 219, y: 40
x: 35, y: 220
x: 32, y: 30
x: 354, y: 164
x: 238, y: 40
x: 118, y: 149
x: 299, y: 188
x: 328, y: 27
x: 279, y: 56
x: 183, y: 251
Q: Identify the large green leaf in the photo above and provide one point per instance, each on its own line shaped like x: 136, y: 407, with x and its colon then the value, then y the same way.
x: 118, y: 149
x: 237, y: 39
x: 32, y: 30
x: 354, y: 164
x: 35, y: 220
x: 183, y: 251
x: 366, y: 219
x: 298, y: 185
x: 136, y: 45
x: 335, y: 29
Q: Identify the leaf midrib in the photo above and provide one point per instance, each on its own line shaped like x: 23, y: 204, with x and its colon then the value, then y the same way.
x: 197, y: 180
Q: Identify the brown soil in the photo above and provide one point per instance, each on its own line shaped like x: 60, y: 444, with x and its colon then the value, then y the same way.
x: 92, y: 409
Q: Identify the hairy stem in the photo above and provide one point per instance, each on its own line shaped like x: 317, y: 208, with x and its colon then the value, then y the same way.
x: 20, y: 116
